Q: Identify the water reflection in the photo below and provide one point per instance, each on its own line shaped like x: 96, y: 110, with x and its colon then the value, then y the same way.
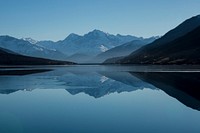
x: 182, y: 86
x: 22, y: 72
x: 101, y: 81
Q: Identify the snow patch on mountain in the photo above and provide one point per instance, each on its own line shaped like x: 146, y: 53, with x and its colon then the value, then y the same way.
x: 32, y: 41
x: 103, y: 48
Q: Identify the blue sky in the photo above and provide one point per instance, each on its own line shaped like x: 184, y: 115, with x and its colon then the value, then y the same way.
x: 56, y: 19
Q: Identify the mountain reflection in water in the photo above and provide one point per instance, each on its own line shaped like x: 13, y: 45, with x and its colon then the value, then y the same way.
x: 98, y: 82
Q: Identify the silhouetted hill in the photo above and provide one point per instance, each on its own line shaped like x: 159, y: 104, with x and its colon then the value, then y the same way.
x: 184, y: 50
x: 178, y: 46
x: 8, y: 57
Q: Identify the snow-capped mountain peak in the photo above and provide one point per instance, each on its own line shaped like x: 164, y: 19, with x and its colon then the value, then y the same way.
x: 32, y: 41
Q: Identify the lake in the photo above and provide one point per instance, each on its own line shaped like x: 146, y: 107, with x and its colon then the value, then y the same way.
x: 100, y: 99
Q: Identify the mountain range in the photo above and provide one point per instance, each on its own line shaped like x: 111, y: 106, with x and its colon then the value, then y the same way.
x: 91, y: 43
x: 178, y: 46
x: 76, y: 48
x: 24, y: 47
x: 83, y: 49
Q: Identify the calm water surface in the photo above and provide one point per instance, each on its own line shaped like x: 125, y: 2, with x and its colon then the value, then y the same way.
x: 100, y: 99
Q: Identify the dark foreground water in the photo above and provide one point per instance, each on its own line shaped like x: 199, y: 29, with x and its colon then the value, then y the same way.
x: 100, y: 99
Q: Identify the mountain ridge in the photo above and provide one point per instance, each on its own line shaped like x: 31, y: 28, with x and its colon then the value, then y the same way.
x: 185, y: 32
x: 26, y: 48
x: 89, y: 44
x: 10, y: 58
x: 123, y: 50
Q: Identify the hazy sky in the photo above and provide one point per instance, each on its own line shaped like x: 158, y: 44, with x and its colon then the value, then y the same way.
x: 55, y: 19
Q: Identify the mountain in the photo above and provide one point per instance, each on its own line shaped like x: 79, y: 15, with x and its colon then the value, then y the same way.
x: 48, y: 44
x: 123, y: 50
x: 26, y: 48
x: 91, y: 44
x: 184, y: 50
x: 178, y: 46
x: 10, y: 58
